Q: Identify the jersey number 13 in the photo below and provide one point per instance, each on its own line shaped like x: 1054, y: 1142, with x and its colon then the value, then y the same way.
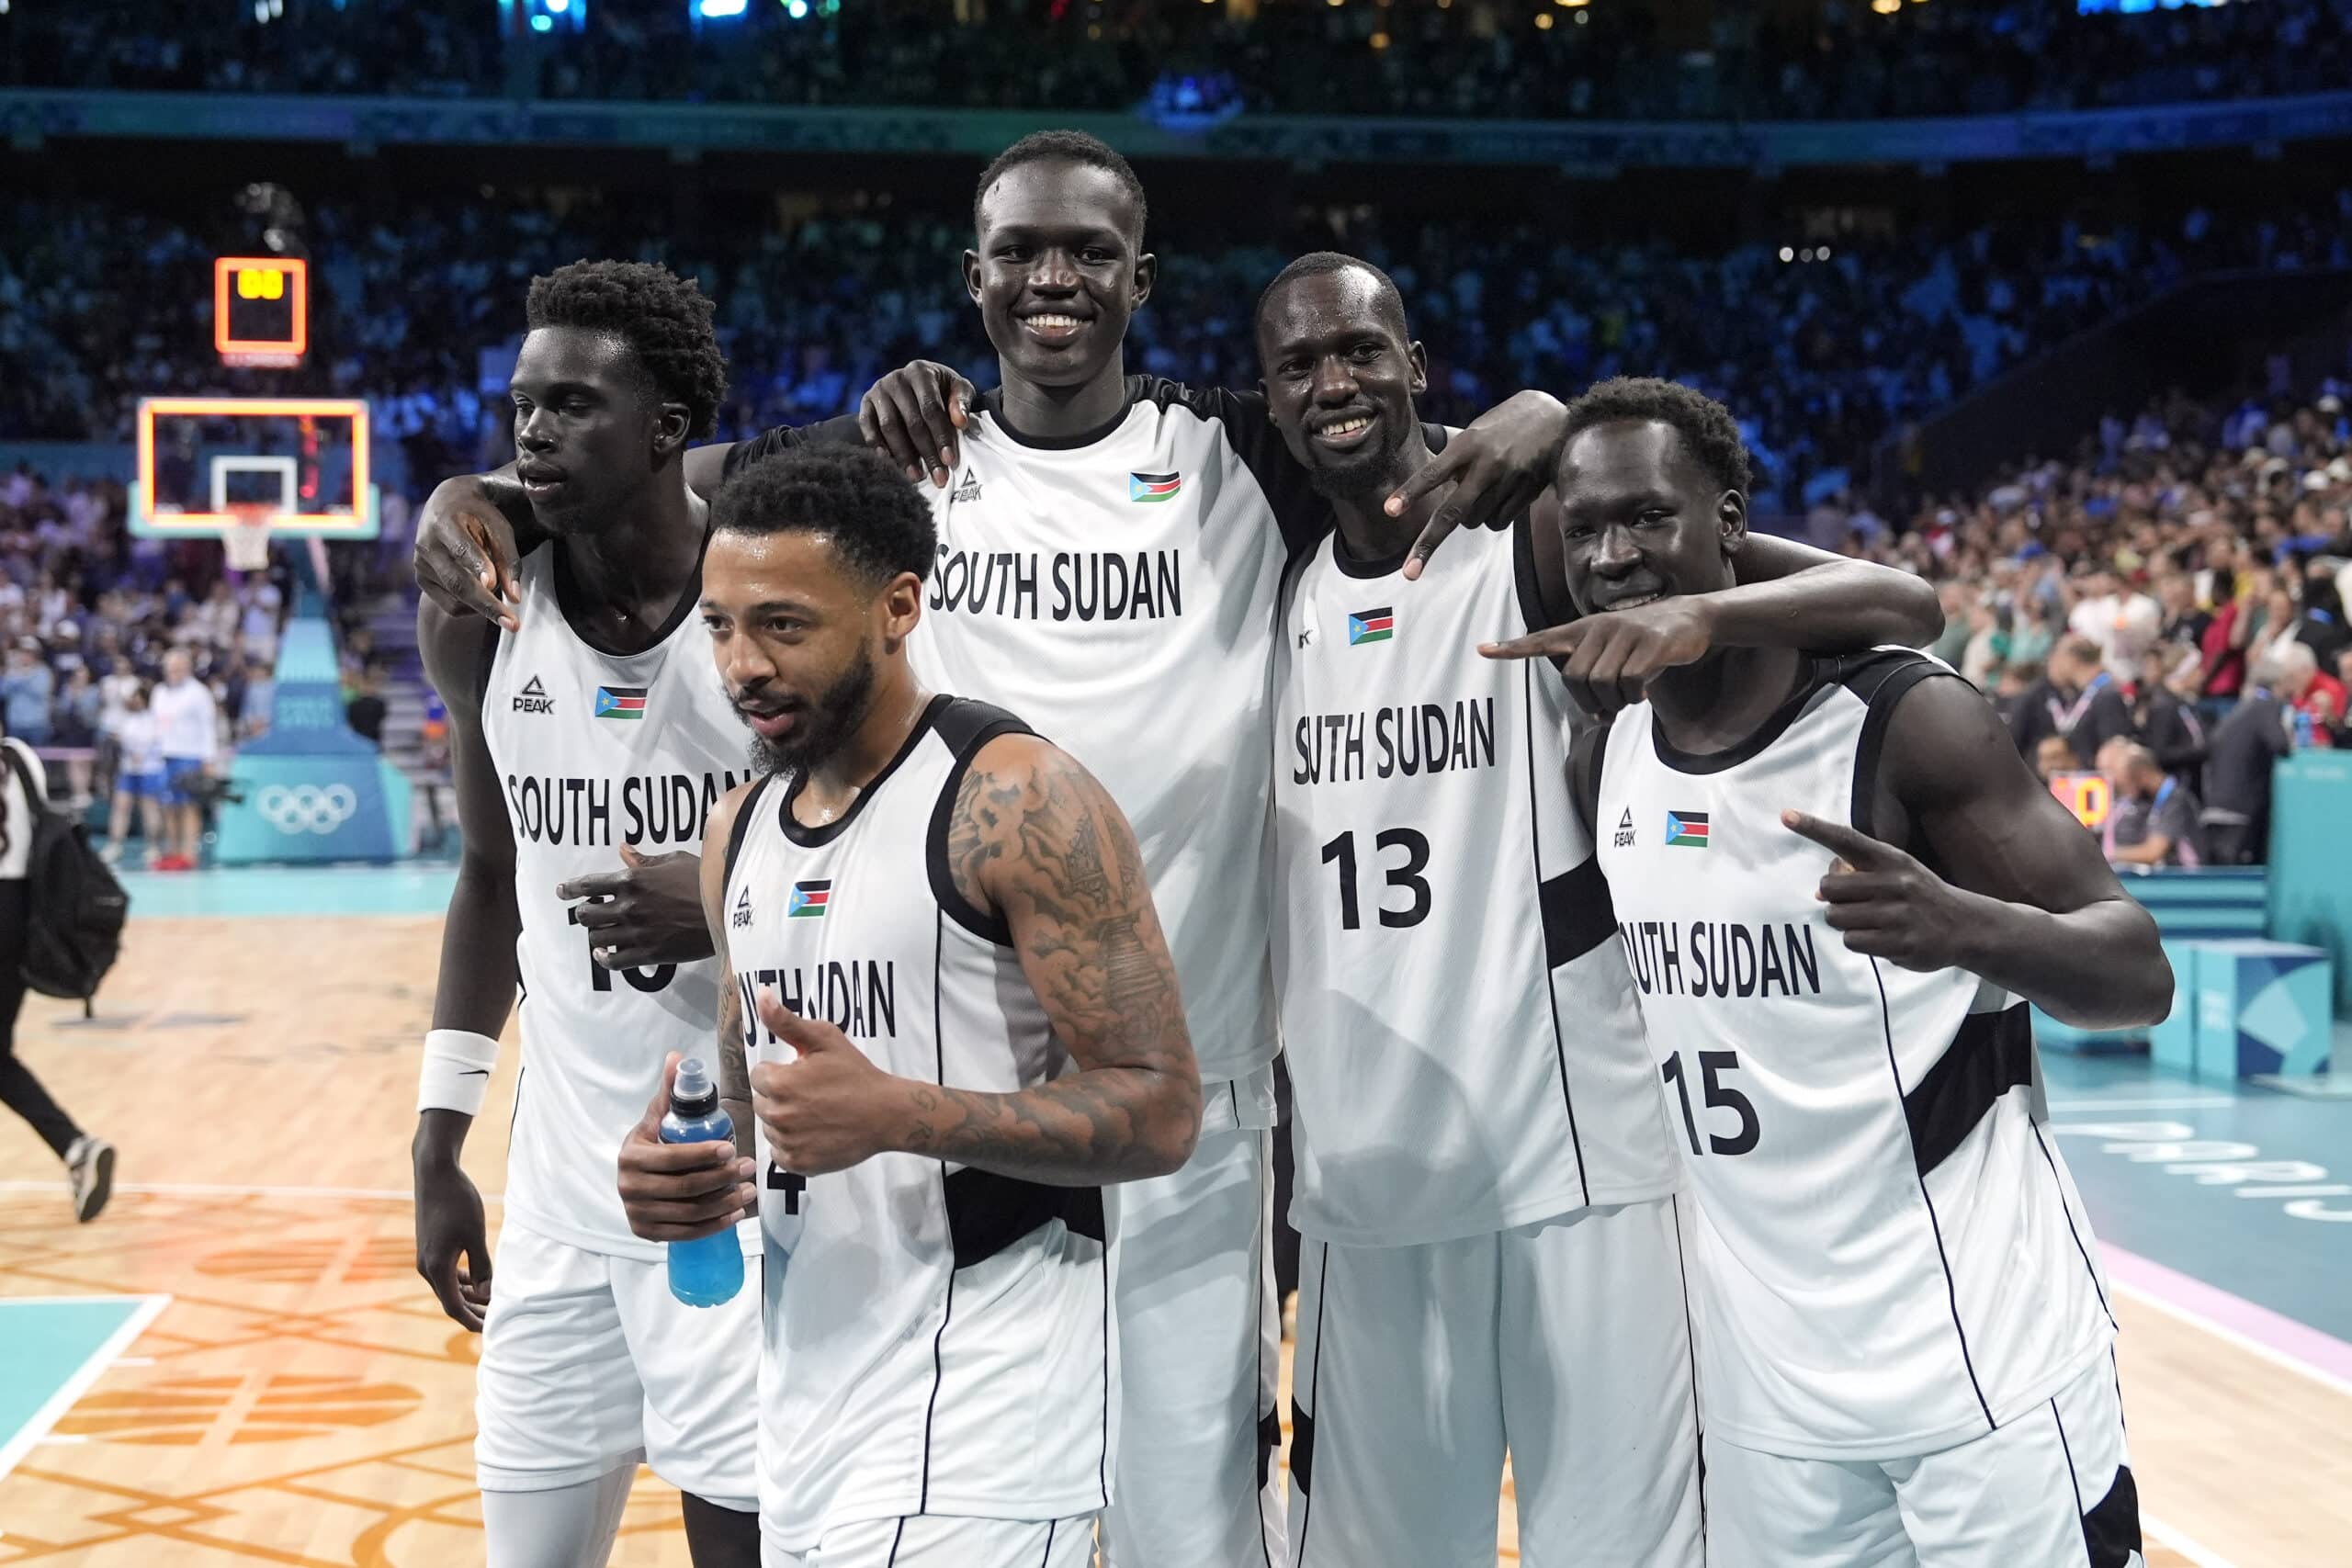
x: 1405, y: 878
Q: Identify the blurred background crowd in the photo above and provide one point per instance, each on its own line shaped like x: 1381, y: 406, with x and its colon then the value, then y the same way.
x: 2148, y: 571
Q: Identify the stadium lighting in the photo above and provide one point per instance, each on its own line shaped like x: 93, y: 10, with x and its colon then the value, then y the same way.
x: 796, y: 9
x: 1887, y: 7
x: 713, y: 10
x: 1787, y: 254
x: 1378, y: 41
x: 1583, y: 16
x: 542, y: 24
x: 1543, y: 22
x: 559, y: 7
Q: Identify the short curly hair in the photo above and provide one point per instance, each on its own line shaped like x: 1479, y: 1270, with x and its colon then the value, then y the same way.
x: 1708, y: 431
x: 1064, y: 147
x: 878, y: 524
x: 663, y: 318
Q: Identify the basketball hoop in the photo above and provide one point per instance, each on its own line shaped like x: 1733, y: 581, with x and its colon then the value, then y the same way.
x: 246, y: 538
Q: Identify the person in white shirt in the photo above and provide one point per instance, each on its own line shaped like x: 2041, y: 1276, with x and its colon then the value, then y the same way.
x: 188, y: 723
x: 138, y: 772
x: 24, y: 789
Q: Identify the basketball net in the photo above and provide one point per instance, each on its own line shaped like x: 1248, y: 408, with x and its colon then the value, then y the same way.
x: 246, y: 538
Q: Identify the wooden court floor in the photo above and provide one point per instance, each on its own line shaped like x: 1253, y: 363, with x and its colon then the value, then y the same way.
x: 301, y: 1400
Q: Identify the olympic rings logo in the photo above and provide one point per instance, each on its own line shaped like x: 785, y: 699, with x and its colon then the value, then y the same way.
x: 307, y: 808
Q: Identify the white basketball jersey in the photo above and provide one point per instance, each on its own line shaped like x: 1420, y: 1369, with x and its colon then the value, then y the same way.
x: 1464, y: 1050
x: 1118, y: 591
x: 936, y: 1334
x: 1890, y: 1256
x: 596, y: 750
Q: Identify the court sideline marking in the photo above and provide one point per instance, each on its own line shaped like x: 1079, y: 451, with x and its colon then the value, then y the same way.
x: 94, y: 1366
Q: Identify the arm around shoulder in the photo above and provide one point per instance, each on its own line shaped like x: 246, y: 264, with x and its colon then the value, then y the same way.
x: 1818, y: 599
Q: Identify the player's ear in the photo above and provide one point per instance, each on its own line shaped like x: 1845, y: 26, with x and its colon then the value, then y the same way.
x: 972, y: 275
x: 1731, y: 521
x: 1418, y: 357
x: 1147, y: 274
x: 901, y: 605
x: 671, y: 423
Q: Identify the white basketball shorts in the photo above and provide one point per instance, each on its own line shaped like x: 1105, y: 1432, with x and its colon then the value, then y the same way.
x: 1565, y: 1342
x: 2053, y: 1489
x: 589, y: 1363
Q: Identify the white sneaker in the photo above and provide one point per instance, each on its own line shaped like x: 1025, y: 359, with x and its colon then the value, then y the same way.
x: 90, y: 1165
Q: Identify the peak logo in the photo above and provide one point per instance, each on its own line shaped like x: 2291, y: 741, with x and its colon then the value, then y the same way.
x: 533, y: 698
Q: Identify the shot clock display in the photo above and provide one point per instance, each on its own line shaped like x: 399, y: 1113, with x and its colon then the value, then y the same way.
x: 261, y: 310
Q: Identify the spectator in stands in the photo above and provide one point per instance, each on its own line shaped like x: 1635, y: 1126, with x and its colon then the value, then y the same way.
x: 89, y: 1162
x: 2314, y: 700
x: 26, y: 690
x: 2321, y: 626
x: 366, y: 708
x: 2114, y: 618
x: 2250, y: 737
x: 2051, y: 756
x: 2183, y: 622
x: 74, y: 726
x: 2161, y: 720
x: 2154, y: 819
x: 2076, y: 699
x: 139, y: 777
x: 187, y: 721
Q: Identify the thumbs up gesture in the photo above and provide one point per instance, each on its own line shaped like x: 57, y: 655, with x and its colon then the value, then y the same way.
x: 832, y: 1107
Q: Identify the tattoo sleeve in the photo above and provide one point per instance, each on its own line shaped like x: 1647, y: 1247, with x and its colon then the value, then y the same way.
x: 1034, y: 837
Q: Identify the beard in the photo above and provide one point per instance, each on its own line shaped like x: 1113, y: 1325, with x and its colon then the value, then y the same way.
x: 1365, y: 475
x: 825, y: 727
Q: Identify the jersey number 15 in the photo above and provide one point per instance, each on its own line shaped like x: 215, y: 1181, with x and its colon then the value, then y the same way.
x: 1719, y: 1096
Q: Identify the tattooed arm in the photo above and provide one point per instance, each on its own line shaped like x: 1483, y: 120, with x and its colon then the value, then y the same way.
x: 1034, y: 839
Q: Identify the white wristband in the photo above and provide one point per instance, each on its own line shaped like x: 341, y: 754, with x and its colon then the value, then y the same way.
x: 456, y: 1072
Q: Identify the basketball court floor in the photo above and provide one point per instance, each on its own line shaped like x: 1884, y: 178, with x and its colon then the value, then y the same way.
x: 237, y: 1364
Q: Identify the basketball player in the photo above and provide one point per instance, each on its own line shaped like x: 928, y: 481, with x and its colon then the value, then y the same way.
x: 1839, y: 887
x: 1108, y: 564
x: 949, y: 973
x: 1493, y: 1257
x: 594, y: 736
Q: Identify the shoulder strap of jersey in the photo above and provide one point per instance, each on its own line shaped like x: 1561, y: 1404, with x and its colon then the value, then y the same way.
x: 1880, y: 677
x: 745, y: 814
x: 486, y: 660
x: 963, y: 726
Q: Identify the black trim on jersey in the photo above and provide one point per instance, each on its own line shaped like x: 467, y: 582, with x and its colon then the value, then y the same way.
x: 992, y: 403
x: 966, y: 727
x: 948, y: 1305
x: 815, y: 838
x: 1690, y: 1344
x: 1103, y: 1448
x: 1522, y: 575
x: 1046, y: 1561
x: 1990, y: 1053
x: 896, y: 1537
x: 988, y: 1213
x: 1349, y: 566
x: 744, y: 816
x: 2080, y: 1250
x: 839, y: 431
x: 1577, y: 915
x: 1302, y: 1418
x: 1879, y: 679
x: 689, y: 598
x: 1809, y: 691
x: 1535, y: 860
x: 2111, y: 1529
x: 486, y: 666
x: 1935, y: 1225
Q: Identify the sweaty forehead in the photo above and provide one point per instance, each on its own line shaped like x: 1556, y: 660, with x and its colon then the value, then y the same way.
x: 1054, y: 195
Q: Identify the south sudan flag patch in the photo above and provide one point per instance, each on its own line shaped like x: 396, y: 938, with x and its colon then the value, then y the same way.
x: 1372, y: 625
x: 1154, y: 487
x: 1687, y: 828
x: 620, y: 702
x: 809, y: 901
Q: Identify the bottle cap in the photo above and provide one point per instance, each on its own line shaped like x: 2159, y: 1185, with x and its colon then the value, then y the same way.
x: 693, y: 1095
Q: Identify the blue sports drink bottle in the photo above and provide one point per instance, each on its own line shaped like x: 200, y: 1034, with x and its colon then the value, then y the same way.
x: 708, y: 1273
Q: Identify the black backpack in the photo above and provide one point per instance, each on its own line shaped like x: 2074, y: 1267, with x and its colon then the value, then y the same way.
x: 75, y: 909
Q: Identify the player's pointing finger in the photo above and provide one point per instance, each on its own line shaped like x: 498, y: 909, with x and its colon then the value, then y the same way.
x: 1857, y: 849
